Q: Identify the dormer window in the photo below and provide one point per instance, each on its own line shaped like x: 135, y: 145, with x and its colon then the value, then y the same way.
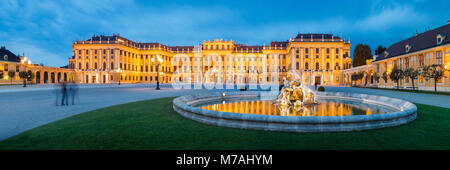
x: 407, y: 48
x: 440, y: 38
x: 386, y: 54
x: 5, y: 58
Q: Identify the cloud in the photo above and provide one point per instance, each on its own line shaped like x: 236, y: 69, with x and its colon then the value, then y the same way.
x: 390, y: 17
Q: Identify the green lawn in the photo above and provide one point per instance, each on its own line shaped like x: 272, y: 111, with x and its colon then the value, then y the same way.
x: 153, y: 124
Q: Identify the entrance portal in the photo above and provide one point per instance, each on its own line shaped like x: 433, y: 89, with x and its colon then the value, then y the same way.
x: 317, y: 80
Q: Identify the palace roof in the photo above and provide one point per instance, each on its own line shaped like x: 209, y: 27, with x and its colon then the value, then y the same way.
x: 11, y: 56
x: 418, y: 42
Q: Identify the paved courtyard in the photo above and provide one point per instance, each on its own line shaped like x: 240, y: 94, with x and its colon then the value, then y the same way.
x: 23, y: 109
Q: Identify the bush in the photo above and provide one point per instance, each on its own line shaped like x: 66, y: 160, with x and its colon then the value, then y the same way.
x: 321, y: 88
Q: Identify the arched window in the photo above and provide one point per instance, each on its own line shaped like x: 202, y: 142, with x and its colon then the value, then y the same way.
x: 317, y: 66
x: 297, y: 65
x: 95, y: 65
x: 104, y: 66
x: 87, y: 65
x: 112, y: 65
x: 79, y: 65
x: 306, y: 66
x: 328, y: 66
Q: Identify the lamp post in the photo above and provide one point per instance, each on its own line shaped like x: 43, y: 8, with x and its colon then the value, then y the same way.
x: 157, y: 62
x: 120, y: 74
x: 25, y: 62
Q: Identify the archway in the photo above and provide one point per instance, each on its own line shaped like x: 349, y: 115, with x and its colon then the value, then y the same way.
x: 38, y: 77
x: 52, y: 77
x: 45, y: 77
x: 59, y: 77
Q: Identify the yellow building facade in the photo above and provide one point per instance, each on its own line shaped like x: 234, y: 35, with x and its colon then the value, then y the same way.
x: 429, y: 48
x: 109, y: 59
x: 11, y: 65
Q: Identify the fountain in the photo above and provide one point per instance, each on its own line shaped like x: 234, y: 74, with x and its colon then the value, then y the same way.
x: 296, y: 109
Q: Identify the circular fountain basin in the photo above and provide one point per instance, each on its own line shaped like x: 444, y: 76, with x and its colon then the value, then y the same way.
x: 336, y: 112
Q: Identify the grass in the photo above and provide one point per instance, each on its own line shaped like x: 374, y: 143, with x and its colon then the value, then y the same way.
x: 153, y: 124
x: 406, y: 90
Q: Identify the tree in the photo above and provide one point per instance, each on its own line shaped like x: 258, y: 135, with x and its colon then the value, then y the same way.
x: 412, y: 74
x: 435, y: 72
x: 11, y: 75
x: 376, y: 76
x: 396, y: 75
x: 385, y: 77
x: 380, y: 50
x: 361, y: 54
x: 24, y: 75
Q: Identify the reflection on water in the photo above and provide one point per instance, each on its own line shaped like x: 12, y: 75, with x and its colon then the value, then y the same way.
x: 324, y: 108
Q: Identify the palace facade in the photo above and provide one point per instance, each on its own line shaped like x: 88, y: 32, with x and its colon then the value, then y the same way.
x: 110, y: 59
x: 428, y: 48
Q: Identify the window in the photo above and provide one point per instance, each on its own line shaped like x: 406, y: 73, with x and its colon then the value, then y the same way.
x: 104, y: 66
x: 328, y: 66
x: 87, y: 65
x: 439, y: 57
x: 104, y: 51
x: 337, y: 50
x: 112, y: 51
x: 306, y: 50
x: 112, y: 65
x: 306, y: 56
x: 95, y: 65
x: 296, y: 56
x: 421, y: 60
x: 317, y: 56
x: 87, y: 51
x: 337, y: 56
x: 317, y: 50
x: 407, y: 62
x: 306, y: 66
x: 328, y: 50
x: 95, y: 51
x: 297, y: 65
x: 79, y: 65
x: 317, y: 66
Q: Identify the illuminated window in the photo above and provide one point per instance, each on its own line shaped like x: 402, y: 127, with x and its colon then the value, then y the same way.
x: 439, y: 57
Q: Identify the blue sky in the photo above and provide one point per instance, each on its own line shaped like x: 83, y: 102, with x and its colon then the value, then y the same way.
x: 44, y: 30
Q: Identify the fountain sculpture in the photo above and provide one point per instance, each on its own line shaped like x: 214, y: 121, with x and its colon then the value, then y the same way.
x: 294, y: 93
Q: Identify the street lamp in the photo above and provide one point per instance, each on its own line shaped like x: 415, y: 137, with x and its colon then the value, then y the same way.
x: 25, y: 62
x: 120, y: 74
x: 158, y: 61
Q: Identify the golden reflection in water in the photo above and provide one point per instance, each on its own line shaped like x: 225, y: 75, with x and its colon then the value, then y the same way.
x: 268, y: 107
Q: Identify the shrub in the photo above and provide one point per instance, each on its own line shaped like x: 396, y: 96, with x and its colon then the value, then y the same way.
x: 321, y: 88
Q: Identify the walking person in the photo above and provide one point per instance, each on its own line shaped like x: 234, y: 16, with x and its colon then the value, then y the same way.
x: 73, y: 92
x: 64, y: 94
